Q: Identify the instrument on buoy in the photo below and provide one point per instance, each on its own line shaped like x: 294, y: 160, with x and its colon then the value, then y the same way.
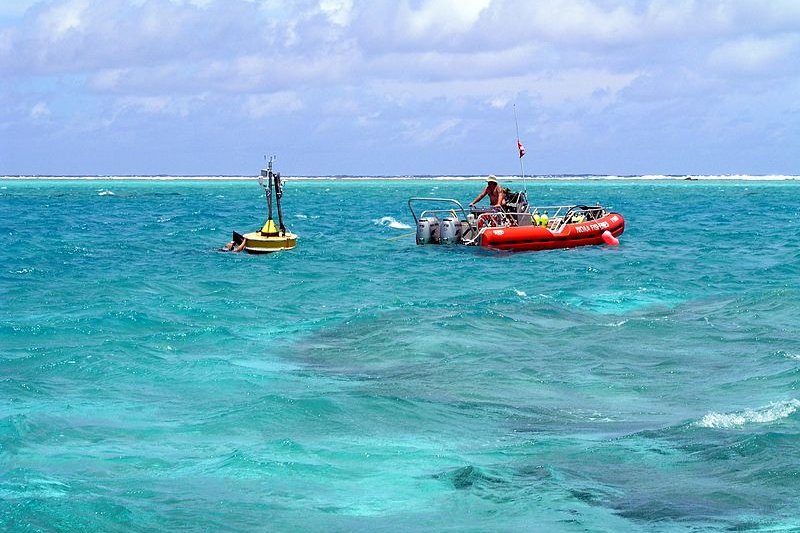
x: 270, y: 238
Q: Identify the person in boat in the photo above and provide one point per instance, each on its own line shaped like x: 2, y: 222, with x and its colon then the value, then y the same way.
x: 237, y: 243
x: 494, y: 191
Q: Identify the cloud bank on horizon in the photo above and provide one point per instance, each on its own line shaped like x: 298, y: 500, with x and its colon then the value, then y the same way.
x: 399, y: 87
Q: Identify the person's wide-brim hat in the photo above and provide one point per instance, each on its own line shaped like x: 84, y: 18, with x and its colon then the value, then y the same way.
x: 491, y: 179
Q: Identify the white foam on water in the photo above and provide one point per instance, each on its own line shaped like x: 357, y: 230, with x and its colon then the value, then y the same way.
x: 790, y: 355
x: 764, y: 415
x: 391, y: 222
x: 105, y: 192
x: 520, y: 293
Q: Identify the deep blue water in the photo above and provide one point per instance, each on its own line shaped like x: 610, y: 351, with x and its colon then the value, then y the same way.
x: 363, y: 383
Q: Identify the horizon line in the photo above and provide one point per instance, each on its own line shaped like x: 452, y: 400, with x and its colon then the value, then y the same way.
x: 399, y: 177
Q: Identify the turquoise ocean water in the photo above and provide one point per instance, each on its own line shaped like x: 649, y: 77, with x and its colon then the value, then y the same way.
x: 363, y: 383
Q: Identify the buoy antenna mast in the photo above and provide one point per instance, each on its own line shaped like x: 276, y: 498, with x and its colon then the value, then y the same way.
x: 269, y: 226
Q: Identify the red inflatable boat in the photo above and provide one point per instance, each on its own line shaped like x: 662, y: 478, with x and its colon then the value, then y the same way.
x: 517, y: 227
x: 566, y: 235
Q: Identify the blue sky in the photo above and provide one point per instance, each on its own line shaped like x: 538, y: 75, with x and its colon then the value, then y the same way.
x: 399, y: 87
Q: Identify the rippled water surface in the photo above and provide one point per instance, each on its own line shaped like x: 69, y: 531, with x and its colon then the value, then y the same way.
x: 363, y: 383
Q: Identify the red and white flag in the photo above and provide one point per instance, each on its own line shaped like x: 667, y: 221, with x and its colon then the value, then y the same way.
x: 521, y: 149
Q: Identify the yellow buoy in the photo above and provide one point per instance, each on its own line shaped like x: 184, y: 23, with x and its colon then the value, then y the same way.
x: 258, y: 243
x: 270, y: 238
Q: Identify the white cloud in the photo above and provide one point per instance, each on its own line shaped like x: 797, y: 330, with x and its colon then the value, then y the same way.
x: 751, y: 55
x: 236, y: 46
x: 155, y: 105
x: 436, y: 19
x: 360, y: 66
x: 672, y: 19
x: 40, y: 111
x: 63, y: 18
x: 421, y: 132
x: 262, y: 105
x: 577, y: 86
x: 339, y: 12
x: 580, y: 20
x: 108, y: 79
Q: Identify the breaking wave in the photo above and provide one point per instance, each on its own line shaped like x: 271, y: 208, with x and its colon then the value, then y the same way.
x: 391, y: 222
x: 764, y: 415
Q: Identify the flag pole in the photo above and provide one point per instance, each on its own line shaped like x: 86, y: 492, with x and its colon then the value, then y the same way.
x: 521, y: 153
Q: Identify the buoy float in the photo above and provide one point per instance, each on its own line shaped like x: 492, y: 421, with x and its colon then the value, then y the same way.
x: 270, y: 238
x: 609, y: 239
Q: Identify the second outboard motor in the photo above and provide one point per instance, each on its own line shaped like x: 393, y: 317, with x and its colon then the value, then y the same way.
x: 451, y: 230
x: 428, y: 230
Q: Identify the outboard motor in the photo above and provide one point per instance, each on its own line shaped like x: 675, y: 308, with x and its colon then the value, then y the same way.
x: 451, y: 230
x: 428, y: 230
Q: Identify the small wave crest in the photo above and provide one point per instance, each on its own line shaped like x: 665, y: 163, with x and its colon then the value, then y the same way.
x: 788, y: 355
x: 105, y: 192
x: 764, y: 415
x: 391, y: 222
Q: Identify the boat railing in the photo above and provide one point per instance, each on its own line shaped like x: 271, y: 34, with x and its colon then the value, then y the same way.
x: 450, y: 207
x: 499, y: 219
x: 558, y: 216
x: 554, y: 217
x: 454, y: 204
